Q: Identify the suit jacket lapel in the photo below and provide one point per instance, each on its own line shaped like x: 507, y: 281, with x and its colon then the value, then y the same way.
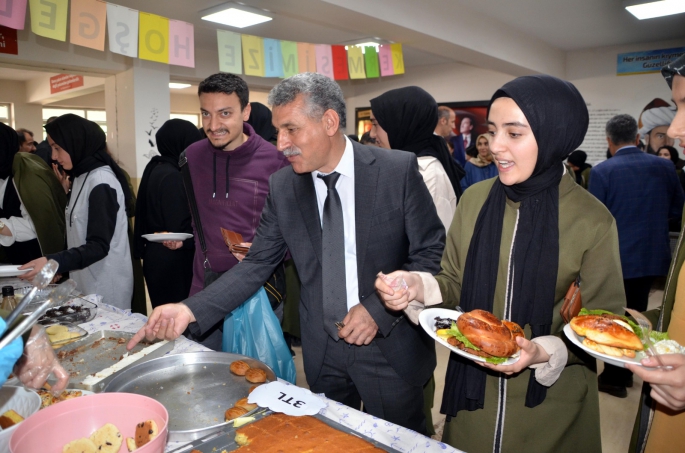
x: 365, y: 184
x: 306, y: 200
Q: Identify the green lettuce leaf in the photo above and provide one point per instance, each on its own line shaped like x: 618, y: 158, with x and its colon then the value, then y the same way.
x: 658, y: 336
x: 454, y: 331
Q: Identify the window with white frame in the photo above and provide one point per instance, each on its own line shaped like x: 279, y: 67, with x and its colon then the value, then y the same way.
x: 192, y: 117
x: 96, y: 116
x: 6, y: 114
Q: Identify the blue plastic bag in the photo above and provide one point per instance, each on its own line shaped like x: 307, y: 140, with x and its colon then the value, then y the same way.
x: 253, y: 330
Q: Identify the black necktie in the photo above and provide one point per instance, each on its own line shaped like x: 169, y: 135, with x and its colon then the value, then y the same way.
x: 333, y: 255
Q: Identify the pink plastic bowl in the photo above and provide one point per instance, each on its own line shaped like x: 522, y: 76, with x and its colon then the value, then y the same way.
x: 48, y: 430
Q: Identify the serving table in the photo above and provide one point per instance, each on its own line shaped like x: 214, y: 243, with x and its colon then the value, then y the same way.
x: 386, y: 433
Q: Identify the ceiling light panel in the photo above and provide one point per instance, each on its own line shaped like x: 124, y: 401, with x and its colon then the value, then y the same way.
x: 234, y: 17
x: 655, y: 9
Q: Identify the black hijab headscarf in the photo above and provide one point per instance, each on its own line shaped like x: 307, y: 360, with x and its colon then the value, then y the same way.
x: 86, y: 144
x: 260, y: 120
x: 172, y: 139
x: 9, y: 146
x: 409, y: 116
x: 558, y: 117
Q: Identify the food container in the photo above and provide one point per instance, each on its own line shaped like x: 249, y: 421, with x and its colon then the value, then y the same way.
x: 73, y: 333
x: 50, y: 429
x: 196, y: 388
x: 21, y: 401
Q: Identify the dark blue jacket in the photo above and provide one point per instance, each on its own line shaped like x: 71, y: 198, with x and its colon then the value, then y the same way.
x: 642, y: 192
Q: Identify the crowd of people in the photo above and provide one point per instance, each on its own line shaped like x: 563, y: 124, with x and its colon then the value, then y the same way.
x: 504, y: 221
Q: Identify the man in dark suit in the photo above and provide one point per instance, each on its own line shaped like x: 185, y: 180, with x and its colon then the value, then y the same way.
x: 464, y: 143
x: 345, y: 212
x: 642, y: 192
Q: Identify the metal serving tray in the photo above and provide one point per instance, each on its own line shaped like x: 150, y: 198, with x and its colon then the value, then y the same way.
x: 196, y: 388
x: 85, y: 358
x: 224, y: 440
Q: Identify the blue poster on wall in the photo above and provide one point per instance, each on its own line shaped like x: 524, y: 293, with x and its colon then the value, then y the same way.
x: 646, y: 62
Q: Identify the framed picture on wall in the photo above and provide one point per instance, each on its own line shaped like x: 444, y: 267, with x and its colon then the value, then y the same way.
x: 362, y: 120
x: 475, y: 111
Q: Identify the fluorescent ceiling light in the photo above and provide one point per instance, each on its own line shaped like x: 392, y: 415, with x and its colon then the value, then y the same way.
x: 656, y: 9
x: 364, y: 45
x: 178, y: 86
x: 235, y: 15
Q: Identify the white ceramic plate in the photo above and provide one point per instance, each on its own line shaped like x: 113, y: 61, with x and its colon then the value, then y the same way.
x: 12, y: 271
x: 161, y: 237
x: 616, y: 361
x: 427, y: 321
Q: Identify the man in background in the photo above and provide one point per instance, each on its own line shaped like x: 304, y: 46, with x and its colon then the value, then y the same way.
x: 465, y: 142
x: 43, y: 149
x: 653, y: 124
x: 25, y: 141
x: 642, y: 192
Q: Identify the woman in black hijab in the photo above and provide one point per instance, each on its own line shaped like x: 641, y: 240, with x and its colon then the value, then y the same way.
x: 515, y: 246
x: 163, y: 207
x: 98, y: 257
x: 405, y: 119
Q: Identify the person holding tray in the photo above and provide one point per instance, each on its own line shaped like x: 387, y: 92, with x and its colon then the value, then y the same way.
x: 515, y: 245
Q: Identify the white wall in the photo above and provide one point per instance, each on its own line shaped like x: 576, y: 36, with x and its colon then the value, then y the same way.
x: 28, y: 116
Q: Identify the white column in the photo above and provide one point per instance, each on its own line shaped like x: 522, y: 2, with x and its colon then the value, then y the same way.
x: 137, y: 104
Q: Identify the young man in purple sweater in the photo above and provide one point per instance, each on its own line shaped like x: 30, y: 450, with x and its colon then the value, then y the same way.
x: 230, y: 170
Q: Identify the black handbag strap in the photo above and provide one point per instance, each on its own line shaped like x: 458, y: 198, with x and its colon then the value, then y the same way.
x: 190, y: 193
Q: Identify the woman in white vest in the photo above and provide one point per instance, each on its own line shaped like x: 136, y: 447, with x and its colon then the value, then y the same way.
x: 97, y: 256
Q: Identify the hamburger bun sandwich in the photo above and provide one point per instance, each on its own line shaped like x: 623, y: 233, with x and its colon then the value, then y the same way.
x: 607, y: 334
x: 482, y: 334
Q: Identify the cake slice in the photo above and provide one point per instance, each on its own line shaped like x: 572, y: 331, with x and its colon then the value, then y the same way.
x: 10, y: 418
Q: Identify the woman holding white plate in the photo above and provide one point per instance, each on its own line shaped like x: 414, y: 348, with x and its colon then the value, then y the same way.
x: 516, y: 244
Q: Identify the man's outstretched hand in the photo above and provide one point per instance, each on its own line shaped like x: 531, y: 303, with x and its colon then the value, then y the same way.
x: 167, y: 322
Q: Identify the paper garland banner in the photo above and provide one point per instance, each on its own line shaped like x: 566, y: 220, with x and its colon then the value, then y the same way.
x: 88, y: 19
x: 13, y: 14
x: 153, y: 37
x: 253, y: 55
x: 397, y: 58
x: 371, y: 62
x: 355, y: 62
x: 138, y: 34
x: 385, y: 60
x: 273, y: 58
x: 8, y: 41
x: 290, y: 58
x: 181, y: 43
x: 324, y: 60
x: 230, y: 52
x: 339, y: 63
x: 49, y: 18
x: 122, y: 25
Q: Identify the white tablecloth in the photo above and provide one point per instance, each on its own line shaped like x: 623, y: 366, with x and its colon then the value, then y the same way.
x: 394, y: 436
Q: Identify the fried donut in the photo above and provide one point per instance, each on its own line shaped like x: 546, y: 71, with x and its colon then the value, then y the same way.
x: 488, y: 333
x: 255, y: 375
x: 239, y: 367
x: 242, y: 402
x: 234, y: 412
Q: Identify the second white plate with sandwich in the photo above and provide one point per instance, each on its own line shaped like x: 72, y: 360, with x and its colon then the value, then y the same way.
x: 427, y: 321
x: 611, y: 360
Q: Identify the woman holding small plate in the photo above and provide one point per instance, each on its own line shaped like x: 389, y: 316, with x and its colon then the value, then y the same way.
x: 163, y: 207
x: 516, y: 244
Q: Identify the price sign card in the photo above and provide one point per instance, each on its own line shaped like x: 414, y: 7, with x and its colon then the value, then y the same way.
x: 287, y: 399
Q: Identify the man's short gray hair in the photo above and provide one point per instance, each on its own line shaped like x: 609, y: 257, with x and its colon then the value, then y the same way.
x: 320, y: 94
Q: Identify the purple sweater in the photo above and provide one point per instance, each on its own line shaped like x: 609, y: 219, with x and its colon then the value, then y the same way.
x: 236, y: 206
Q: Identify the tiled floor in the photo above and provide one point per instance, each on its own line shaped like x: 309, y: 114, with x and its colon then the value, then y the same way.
x: 617, y: 415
